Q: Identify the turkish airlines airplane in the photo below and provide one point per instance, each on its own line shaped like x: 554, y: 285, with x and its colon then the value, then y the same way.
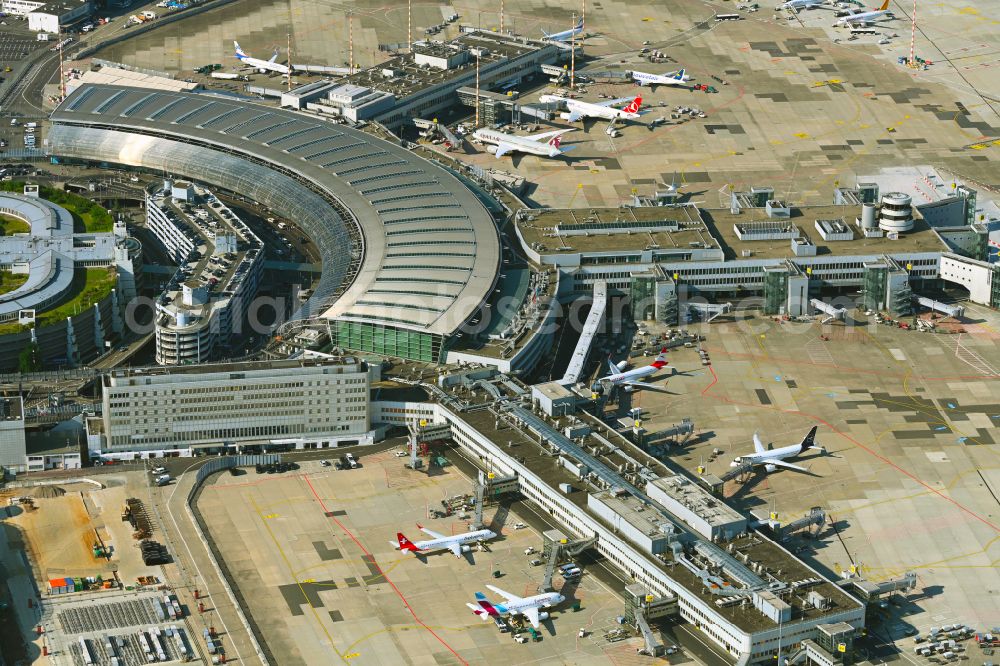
x: 529, y: 607
x: 261, y: 66
x: 775, y: 458
x: 502, y: 143
x: 864, y: 17
x: 678, y: 78
x: 577, y: 109
x: 456, y: 543
x: 630, y: 379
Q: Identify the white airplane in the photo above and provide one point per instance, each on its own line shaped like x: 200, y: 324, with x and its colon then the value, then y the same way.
x: 502, y: 143
x: 565, y: 35
x: 261, y: 66
x: 677, y: 78
x: 865, y: 17
x: 799, y: 4
x: 630, y: 379
x: 775, y: 458
x: 529, y: 607
x: 577, y: 109
x: 456, y: 543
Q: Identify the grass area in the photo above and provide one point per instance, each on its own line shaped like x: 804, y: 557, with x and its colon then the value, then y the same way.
x: 88, y: 217
x: 11, y: 281
x: 12, y: 225
x: 94, y: 285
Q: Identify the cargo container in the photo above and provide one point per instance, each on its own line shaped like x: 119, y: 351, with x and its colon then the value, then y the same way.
x: 229, y: 76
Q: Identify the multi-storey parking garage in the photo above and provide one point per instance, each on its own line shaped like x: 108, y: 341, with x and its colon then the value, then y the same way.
x: 409, y: 252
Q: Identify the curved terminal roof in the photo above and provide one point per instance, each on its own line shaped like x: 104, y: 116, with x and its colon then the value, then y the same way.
x: 429, y: 251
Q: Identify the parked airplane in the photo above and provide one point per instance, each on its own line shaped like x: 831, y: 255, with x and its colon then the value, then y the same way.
x: 630, y: 379
x: 577, y: 109
x: 774, y: 458
x: 529, y: 607
x: 456, y: 543
x: 262, y: 66
x: 565, y: 35
x: 799, y: 4
x: 672, y: 79
x: 503, y: 143
x: 865, y: 17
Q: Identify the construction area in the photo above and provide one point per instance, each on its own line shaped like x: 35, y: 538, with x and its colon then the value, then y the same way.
x: 83, y: 569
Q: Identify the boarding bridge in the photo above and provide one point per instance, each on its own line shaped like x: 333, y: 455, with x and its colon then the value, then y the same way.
x: 594, y: 319
x: 556, y: 546
x: 832, y: 313
x: 425, y: 432
x: 937, y: 306
x: 439, y: 128
x: 491, y: 486
x: 816, y: 516
x: 708, y: 311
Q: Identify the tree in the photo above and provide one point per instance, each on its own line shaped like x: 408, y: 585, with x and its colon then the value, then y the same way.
x: 30, y: 359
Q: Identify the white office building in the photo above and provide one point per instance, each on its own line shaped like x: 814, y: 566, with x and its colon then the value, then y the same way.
x: 52, y: 16
x: 237, y: 406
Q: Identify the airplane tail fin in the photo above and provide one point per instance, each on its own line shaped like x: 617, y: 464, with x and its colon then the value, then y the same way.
x: 487, y: 607
x: 406, y: 544
x: 809, y: 441
x: 680, y: 75
x: 633, y: 106
x: 661, y: 359
x: 885, y: 6
x: 555, y: 141
x: 240, y: 53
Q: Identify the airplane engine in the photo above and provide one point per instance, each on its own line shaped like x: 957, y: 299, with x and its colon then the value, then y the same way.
x: 466, y: 549
x: 543, y: 616
x: 492, y: 149
x: 621, y: 365
x: 770, y: 468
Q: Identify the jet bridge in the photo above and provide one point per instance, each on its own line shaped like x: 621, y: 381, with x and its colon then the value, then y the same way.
x: 707, y: 311
x: 938, y: 306
x: 816, y: 516
x: 832, y: 313
x: 557, y: 547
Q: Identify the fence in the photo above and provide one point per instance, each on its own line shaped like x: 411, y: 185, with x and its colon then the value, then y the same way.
x: 239, y: 602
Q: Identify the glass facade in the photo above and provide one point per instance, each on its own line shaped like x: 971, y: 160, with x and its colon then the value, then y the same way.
x: 387, y: 341
x: 775, y: 291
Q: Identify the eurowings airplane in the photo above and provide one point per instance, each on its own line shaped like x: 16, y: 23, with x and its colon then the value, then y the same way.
x: 630, y: 379
x: 865, y: 17
x: 678, y: 78
x: 800, y: 4
x: 775, y: 458
x: 262, y: 65
x: 502, y: 143
x: 529, y: 607
x: 577, y: 109
x: 565, y: 35
x: 457, y: 543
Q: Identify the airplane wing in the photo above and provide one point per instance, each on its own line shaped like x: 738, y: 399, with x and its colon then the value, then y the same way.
x: 786, y: 465
x: 757, y: 444
x: 456, y: 548
x: 503, y: 149
x: 506, y: 595
x: 546, y: 135
x: 612, y: 102
x: 532, y: 615
x: 431, y: 533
